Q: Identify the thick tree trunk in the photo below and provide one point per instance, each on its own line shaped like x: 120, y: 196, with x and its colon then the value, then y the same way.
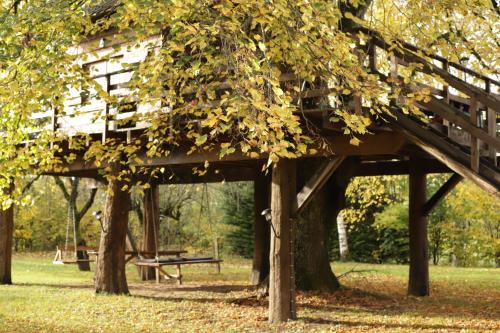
x: 342, y: 231
x: 110, y: 271
x: 6, y: 235
x: 312, y: 263
x: 281, y: 288
x: 418, y: 284
x: 261, y: 241
x: 151, y: 227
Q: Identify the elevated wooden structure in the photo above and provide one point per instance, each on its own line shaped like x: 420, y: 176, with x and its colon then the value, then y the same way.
x: 458, y: 133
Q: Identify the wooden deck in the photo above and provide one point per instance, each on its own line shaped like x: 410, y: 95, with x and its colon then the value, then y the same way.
x: 460, y: 128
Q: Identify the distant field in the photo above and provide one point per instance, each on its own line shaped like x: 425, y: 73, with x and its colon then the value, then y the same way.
x: 49, y: 298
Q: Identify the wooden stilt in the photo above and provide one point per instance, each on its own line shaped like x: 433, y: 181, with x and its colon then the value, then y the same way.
x: 260, y: 264
x: 418, y: 284
x: 6, y: 234
x: 281, y: 288
x: 151, y: 227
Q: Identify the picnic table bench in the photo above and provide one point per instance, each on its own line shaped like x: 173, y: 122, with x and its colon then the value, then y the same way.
x: 178, y: 261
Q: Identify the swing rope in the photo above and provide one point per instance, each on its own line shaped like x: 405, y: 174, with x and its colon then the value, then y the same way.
x: 67, y: 234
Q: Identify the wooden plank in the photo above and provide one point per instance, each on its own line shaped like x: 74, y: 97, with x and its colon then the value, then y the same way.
x: 441, y: 193
x: 315, y: 183
x: 178, y: 262
x: 379, y: 168
x: 474, y: 142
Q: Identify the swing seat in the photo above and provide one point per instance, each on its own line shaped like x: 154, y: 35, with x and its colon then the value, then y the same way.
x: 60, y: 249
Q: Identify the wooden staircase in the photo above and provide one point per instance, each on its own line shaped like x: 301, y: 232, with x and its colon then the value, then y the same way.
x: 460, y: 127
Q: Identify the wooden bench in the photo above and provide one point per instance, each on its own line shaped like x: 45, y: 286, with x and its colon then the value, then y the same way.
x: 138, y: 254
x: 158, y: 264
x: 60, y: 249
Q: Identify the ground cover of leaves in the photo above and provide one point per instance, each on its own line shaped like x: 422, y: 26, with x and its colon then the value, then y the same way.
x: 48, y: 298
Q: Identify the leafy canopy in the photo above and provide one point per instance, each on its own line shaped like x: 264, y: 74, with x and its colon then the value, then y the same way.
x: 218, y: 69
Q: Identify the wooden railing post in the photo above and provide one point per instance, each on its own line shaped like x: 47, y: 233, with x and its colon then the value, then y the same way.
x: 446, y: 94
x: 106, y: 111
x: 492, y: 125
x: 474, y: 142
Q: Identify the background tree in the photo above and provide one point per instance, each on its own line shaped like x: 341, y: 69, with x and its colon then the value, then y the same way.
x: 238, y: 207
x: 70, y: 190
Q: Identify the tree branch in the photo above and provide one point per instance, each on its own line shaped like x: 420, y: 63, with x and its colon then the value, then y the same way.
x: 28, y: 185
x: 62, y: 186
x: 90, y: 201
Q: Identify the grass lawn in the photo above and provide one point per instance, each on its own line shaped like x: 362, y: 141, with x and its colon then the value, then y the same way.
x: 49, y: 298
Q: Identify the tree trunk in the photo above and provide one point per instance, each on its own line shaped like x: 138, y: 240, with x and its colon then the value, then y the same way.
x: 418, y: 284
x: 261, y: 241
x: 281, y: 288
x: 343, y: 244
x: 110, y: 271
x: 312, y: 262
x: 83, y: 265
x: 151, y: 225
x: 6, y: 235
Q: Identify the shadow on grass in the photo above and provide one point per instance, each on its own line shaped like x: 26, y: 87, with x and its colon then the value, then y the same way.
x: 360, y: 301
x: 55, y: 285
x: 380, y: 326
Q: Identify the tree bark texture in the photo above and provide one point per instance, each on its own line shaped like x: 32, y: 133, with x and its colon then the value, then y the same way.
x: 314, y: 225
x: 418, y: 284
x: 262, y: 232
x: 110, y: 271
x: 6, y: 235
x: 281, y: 288
x: 151, y: 227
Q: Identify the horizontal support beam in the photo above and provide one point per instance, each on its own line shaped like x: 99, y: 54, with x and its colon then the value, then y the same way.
x: 392, y: 168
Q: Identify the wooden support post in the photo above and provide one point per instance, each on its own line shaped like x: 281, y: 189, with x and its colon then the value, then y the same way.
x: 474, y: 142
x: 151, y: 227
x: 110, y: 269
x: 105, y: 131
x: 6, y: 234
x: 418, y: 284
x: 261, y: 240
x: 281, y: 288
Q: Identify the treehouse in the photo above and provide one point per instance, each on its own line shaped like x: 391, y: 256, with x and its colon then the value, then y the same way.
x: 455, y: 132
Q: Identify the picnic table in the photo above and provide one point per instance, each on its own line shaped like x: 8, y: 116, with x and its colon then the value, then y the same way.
x: 158, y: 263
